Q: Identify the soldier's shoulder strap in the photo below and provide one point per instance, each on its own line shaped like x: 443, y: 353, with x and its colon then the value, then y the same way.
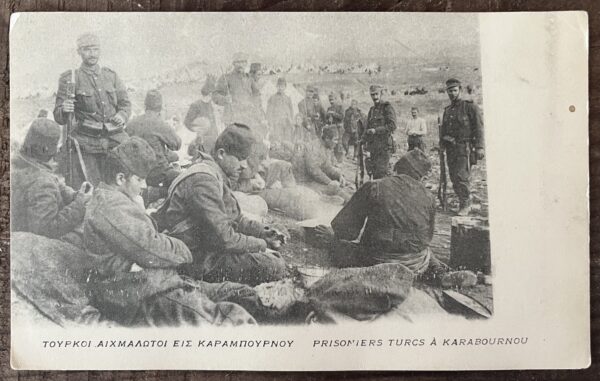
x: 387, y: 104
x: 104, y: 68
x: 201, y: 166
x: 196, y: 168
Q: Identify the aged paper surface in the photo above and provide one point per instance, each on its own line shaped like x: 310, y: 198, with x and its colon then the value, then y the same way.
x: 526, y: 72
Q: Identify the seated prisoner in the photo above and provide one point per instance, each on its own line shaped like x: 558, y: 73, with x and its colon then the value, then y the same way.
x: 134, y: 279
x: 162, y: 138
x: 202, y: 211
x: 314, y: 165
x: 400, y: 217
x: 40, y: 202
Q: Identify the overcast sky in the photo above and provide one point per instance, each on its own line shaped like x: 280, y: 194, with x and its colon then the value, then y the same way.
x: 42, y: 45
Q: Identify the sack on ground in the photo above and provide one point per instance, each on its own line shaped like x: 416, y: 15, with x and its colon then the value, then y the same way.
x: 297, y: 202
x: 361, y: 293
x: 48, y: 274
x: 252, y: 205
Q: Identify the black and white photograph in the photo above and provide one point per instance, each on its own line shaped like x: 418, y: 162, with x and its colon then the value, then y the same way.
x: 305, y: 171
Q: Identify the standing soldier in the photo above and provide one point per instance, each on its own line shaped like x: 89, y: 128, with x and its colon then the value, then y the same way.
x: 99, y: 101
x: 312, y: 114
x: 352, y: 118
x: 335, y: 117
x: 462, y: 138
x: 381, y: 123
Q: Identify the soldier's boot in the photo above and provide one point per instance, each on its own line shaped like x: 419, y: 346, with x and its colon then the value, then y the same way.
x: 464, y: 207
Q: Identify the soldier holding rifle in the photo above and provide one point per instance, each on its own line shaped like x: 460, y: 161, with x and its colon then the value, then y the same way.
x: 461, y: 136
x: 92, y: 101
x: 312, y: 113
x: 381, y: 123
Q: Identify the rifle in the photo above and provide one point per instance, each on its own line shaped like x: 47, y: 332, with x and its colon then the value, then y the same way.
x: 441, y: 192
x: 359, y: 177
x: 69, y: 128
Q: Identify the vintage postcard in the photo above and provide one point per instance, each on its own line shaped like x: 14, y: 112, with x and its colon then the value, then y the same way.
x: 299, y: 191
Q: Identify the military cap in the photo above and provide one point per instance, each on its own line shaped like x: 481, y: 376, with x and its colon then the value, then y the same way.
x: 41, y: 141
x: 153, y: 100
x: 255, y: 66
x: 240, y: 57
x: 88, y: 39
x: 374, y: 88
x: 333, y: 95
x: 330, y: 132
x: 281, y: 81
x: 136, y: 155
x: 209, y: 85
x: 414, y: 164
x: 311, y: 88
x: 236, y: 140
x: 452, y: 82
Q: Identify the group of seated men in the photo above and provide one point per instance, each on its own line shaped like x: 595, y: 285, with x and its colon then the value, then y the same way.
x: 196, y: 259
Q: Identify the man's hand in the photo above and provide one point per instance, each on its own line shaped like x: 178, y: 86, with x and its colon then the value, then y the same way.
x: 480, y: 153
x: 68, y: 105
x: 343, y: 181
x: 324, y: 234
x: 85, y: 191
x: 274, y: 238
x: 273, y: 252
x: 118, y: 120
x: 371, y: 131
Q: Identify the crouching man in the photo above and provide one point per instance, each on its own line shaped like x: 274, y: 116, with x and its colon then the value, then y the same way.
x: 134, y: 279
x: 40, y: 202
x: 314, y: 165
x: 202, y: 211
x: 400, y: 214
